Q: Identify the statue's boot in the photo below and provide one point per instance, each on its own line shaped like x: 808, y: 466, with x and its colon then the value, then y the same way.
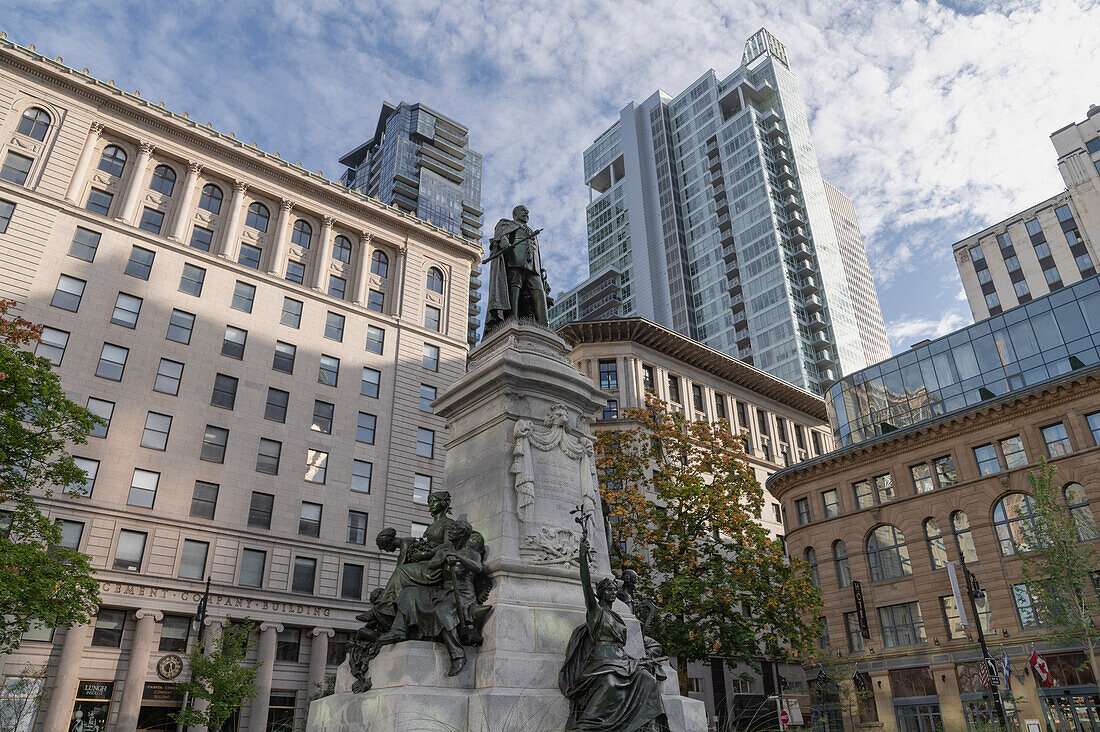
x: 391, y: 636
x: 457, y: 664
x: 515, y: 300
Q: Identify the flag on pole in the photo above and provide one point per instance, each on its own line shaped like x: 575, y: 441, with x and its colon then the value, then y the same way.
x: 1005, y: 663
x: 983, y: 673
x: 1040, y: 665
x: 959, y: 604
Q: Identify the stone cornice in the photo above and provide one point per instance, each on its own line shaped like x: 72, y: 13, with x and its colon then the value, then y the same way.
x: 194, y: 135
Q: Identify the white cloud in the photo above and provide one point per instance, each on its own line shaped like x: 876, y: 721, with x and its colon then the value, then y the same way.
x: 904, y: 333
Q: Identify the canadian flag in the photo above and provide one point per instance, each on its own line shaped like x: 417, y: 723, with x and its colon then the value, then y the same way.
x: 1040, y: 665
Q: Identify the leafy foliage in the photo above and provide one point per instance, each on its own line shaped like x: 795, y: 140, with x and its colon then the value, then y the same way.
x: 43, y: 582
x: 1059, y: 569
x: 219, y: 677
x: 24, y: 695
x: 683, y: 504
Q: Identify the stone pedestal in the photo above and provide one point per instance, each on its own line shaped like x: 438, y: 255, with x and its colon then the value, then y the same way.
x: 519, y: 459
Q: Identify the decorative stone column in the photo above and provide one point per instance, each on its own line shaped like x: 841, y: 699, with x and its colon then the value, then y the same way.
x: 397, y: 287
x: 323, y: 255
x: 214, y: 629
x: 84, y: 162
x: 228, y: 246
x: 318, y: 660
x: 183, y: 210
x: 133, y: 187
x: 63, y: 695
x: 362, y: 269
x: 277, y: 254
x: 134, y: 684
x: 269, y: 636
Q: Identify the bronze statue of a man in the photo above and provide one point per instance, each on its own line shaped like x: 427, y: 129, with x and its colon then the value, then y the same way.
x: 517, y: 281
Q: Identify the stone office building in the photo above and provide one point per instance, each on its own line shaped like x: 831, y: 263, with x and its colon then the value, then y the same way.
x: 633, y: 359
x: 936, y: 447
x: 264, y: 346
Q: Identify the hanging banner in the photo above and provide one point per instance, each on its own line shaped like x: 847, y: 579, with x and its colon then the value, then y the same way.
x: 959, y: 604
x: 861, y: 610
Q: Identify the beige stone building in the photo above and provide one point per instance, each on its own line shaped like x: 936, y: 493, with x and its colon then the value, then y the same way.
x: 633, y: 359
x: 265, y: 346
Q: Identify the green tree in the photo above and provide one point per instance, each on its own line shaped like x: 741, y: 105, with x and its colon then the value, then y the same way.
x: 684, y: 505
x: 43, y: 583
x: 219, y: 677
x: 1060, y: 566
x: 22, y: 696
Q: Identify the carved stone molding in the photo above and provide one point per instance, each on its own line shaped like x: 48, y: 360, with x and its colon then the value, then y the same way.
x: 146, y: 148
x: 555, y: 545
x: 240, y: 186
x: 286, y: 204
x: 193, y: 167
x: 95, y: 129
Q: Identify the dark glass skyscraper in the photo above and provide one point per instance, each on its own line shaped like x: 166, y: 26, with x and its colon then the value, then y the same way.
x: 420, y: 162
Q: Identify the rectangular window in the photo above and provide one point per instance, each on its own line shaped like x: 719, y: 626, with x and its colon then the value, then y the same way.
x: 884, y: 488
x: 992, y: 301
x: 357, y: 527
x: 376, y: 301
x: 233, y: 342
x: 720, y: 413
x: 275, y: 409
x: 337, y: 286
x: 1094, y: 426
x: 316, y: 466
x: 430, y: 359
x: 155, y: 434
x: 143, y: 488
x: 130, y: 549
x: 168, y: 378
x: 104, y: 410
x: 191, y: 280
x: 127, y: 309
x: 193, y: 559
x: 902, y: 625
x: 295, y: 272
x: 364, y: 428
x: 863, y: 495
x: 309, y: 519
x: 986, y: 456
x: 417, y: 529
x: 609, y: 376
x: 611, y: 409
x: 16, y: 168
x: 51, y: 346
x: 260, y: 508
x: 180, y: 326
x: 214, y: 440
x: 831, y: 502
x: 252, y: 567
x: 427, y: 396
x: 280, y: 705
x: 322, y: 417
x: 1056, y: 440
x: 945, y: 471
x: 360, y: 475
x: 91, y: 469
x: 249, y: 256
x: 338, y: 647
x: 852, y: 629
x: 151, y: 220
x: 1084, y: 263
x: 267, y: 459
x: 284, y: 357
x: 288, y: 644
x: 140, y: 263
x: 1013, y: 449
x: 371, y: 380
x: 305, y: 570
x: 1052, y: 276
x: 99, y: 202
x: 376, y: 340
x: 1026, y: 608
x: 432, y: 317
x: 802, y: 509
x: 329, y: 370
x: 292, y: 312
x: 225, y: 391
x: 955, y: 630
x: 112, y: 361
x: 84, y: 244
x: 204, y: 500
x: 422, y: 488
x: 68, y: 293
x: 351, y: 583
x: 108, y: 628
x: 674, y: 389
x: 425, y: 442
x: 201, y: 239
x: 334, y: 326
x: 174, y: 630
x: 7, y: 210
x: 649, y: 381
x: 922, y: 478
x: 244, y: 297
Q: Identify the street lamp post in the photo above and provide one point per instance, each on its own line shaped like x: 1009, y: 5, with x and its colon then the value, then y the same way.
x: 974, y: 591
x: 200, y: 618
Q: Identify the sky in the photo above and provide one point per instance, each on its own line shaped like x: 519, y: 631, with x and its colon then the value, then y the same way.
x: 934, y: 117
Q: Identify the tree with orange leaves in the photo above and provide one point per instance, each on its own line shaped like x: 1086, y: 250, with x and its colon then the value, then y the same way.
x: 683, y: 505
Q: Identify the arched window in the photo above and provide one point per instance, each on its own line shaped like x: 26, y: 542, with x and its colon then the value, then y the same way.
x: 887, y: 555
x: 341, y: 249
x: 211, y: 199
x: 811, y: 560
x: 379, y: 264
x: 257, y: 217
x: 1082, y: 514
x: 964, y: 540
x: 934, y: 537
x: 1008, y: 518
x: 435, y: 280
x: 34, y: 123
x: 164, y: 180
x: 840, y: 562
x: 113, y: 160
x: 302, y: 234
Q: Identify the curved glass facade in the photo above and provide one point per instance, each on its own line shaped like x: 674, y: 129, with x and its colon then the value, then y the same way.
x: 1042, y: 340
